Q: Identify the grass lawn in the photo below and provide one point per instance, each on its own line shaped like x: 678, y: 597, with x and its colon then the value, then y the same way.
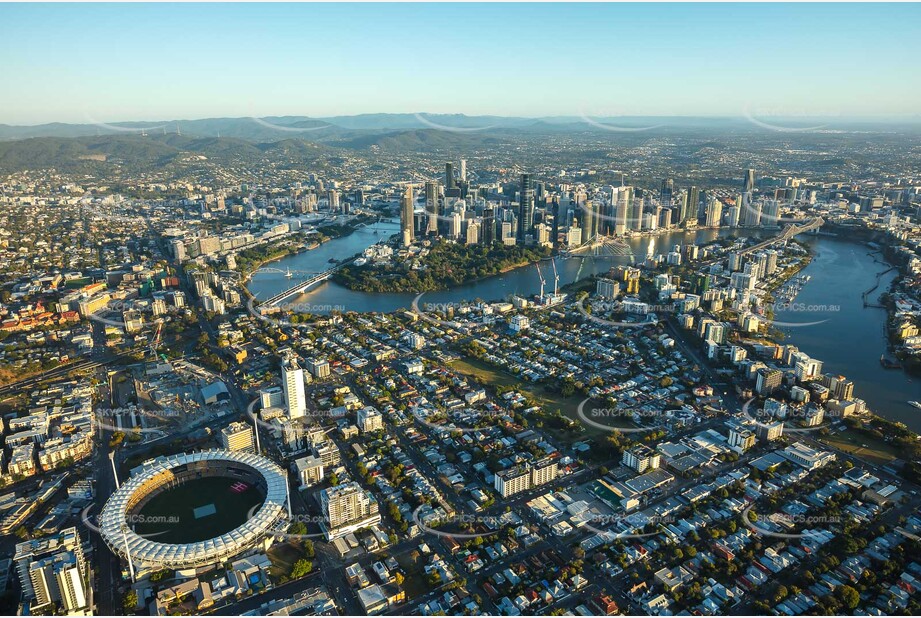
x: 171, y: 516
x: 415, y: 584
x: 483, y: 371
x: 497, y: 377
x: 569, y: 406
x: 875, y: 451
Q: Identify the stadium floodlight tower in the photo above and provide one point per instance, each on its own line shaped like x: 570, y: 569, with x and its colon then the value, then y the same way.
x: 114, y: 469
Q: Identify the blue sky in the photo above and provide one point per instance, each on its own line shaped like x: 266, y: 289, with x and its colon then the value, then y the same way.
x: 110, y: 62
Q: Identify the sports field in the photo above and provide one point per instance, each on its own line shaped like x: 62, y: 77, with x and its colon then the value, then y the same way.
x: 197, y: 510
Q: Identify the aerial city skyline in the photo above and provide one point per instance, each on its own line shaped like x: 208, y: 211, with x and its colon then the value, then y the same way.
x: 460, y: 309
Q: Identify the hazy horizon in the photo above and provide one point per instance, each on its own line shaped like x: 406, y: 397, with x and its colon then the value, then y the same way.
x: 879, y: 118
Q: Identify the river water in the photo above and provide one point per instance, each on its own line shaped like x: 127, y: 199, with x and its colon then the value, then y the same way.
x: 848, y: 340
x: 523, y: 281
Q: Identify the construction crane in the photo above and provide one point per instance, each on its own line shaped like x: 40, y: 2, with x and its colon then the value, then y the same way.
x: 542, y: 282
x: 155, y: 342
x: 556, y: 280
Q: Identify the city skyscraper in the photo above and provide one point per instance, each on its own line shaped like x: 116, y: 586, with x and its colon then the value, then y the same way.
x: 53, y: 573
x: 347, y: 508
x: 692, y: 205
x: 555, y: 232
x: 634, y: 210
x: 668, y: 189
x: 748, y: 182
x: 769, y: 212
x: 431, y: 207
x: 732, y: 216
x: 407, y: 222
x: 621, y: 211
x: 751, y: 215
x: 488, y: 231
x: 714, y: 212
x: 702, y: 206
x: 449, y: 176
x: 591, y: 221
x: 748, y: 188
x: 525, y: 208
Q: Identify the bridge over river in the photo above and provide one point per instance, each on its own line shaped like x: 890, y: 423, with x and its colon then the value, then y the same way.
x: 306, y: 284
x: 798, y: 226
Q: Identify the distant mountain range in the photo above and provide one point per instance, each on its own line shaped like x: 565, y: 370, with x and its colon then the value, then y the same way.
x: 145, y: 151
x: 335, y: 128
x: 278, y: 127
x: 303, y: 139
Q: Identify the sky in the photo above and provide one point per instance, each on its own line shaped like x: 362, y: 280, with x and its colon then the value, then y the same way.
x: 116, y: 62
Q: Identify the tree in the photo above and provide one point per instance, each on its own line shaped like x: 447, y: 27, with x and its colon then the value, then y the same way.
x: 130, y: 602
x: 398, y: 578
x: 301, y: 568
x: 160, y: 575
x: 849, y: 596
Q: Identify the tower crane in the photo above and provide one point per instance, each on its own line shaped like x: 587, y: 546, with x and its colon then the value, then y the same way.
x: 155, y: 342
x: 542, y: 282
x: 556, y: 280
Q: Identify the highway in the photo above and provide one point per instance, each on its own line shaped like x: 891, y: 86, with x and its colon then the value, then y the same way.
x: 59, y: 372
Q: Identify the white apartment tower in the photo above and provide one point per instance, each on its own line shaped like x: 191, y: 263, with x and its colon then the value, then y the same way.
x: 292, y: 383
x: 53, y: 573
x: 347, y: 508
x: 237, y: 436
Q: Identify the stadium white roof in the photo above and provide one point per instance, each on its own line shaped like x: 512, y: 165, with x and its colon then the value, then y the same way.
x: 118, y: 535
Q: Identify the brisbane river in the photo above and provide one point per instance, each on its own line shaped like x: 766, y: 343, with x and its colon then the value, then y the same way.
x: 849, y: 338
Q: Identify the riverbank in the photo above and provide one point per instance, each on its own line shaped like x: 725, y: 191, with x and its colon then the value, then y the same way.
x: 523, y: 281
x: 847, y: 334
x: 323, y: 234
x: 446, y: 265
x: 251, y: 265
x: 791, y: 272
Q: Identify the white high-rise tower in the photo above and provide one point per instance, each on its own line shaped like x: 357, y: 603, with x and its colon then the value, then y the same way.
x: 292, y: 382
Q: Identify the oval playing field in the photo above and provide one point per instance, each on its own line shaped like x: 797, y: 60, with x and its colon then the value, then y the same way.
x: 194, y: 509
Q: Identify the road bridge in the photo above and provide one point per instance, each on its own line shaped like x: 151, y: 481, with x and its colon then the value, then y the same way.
x: 800, y: 226
x: 303, y: 286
